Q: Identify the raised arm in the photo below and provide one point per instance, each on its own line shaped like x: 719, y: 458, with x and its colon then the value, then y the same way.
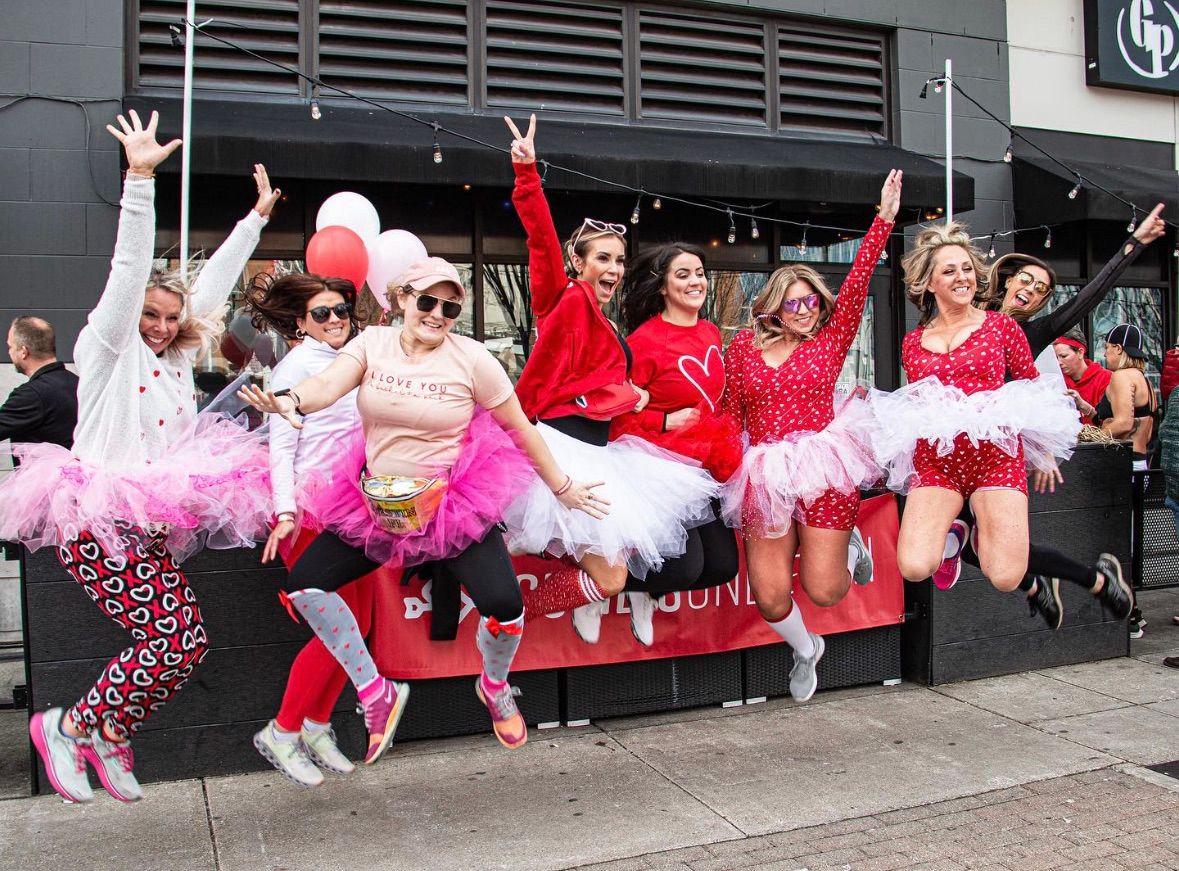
x: 546, y: 264
x: 114, y: 321
x: 310, y: 394
x: 221, y: 271
x: 853, y: 293
x: 1062, y: 319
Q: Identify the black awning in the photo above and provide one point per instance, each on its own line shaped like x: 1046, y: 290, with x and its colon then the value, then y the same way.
x: 369, y: 144
x: 1042, y: 188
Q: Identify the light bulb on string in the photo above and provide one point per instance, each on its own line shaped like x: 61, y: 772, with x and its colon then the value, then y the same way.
x: 732, y: 238
x: 437, y: 147
x: 1072, y: 195
x: 991, y: 250
x: 544, y: 171
x: 802, y: 242
x: 754, y: 233
x: 1047, y: 237
x: 1133, y: 225
x: 1008, y: 155
x: 938, y: 84
x: 315, y: 113
x: 634, y: 215
x: 658, y: 204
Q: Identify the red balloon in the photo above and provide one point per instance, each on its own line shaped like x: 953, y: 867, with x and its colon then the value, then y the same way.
x: 337, y: 252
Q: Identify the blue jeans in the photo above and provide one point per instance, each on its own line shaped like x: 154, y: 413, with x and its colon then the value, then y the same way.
x: 1174, y: 506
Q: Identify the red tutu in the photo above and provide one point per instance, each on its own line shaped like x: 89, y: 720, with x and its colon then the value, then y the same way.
x: 489, y: 473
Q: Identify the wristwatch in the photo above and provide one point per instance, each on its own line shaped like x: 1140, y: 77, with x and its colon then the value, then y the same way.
x: 286, y: 391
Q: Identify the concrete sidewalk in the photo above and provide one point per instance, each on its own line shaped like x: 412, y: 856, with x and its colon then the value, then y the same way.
x: 1038, y: 770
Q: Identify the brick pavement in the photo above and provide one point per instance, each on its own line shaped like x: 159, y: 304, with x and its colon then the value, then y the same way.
x: 1096, y: 821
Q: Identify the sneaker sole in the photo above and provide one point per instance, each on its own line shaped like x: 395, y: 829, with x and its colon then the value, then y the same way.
x: 37, y: 733
x: 820, y: 649
x: 391, y: 723
x: 269, y: 756
x: 91, y: 756
x: 1054, y: 583
x: 323, y: 763
x: 499, y: 737
x: 635, y: 632
x: 1117, y: 564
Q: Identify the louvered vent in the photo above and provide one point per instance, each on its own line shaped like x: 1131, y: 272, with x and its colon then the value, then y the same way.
x: 411, y: 50
x: 702, y: 68
x: 832, y: 80
x: 564, y: 56
x: 269, y: 27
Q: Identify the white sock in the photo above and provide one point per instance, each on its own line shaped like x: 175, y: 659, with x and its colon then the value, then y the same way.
x: 953, y: 546
x: 853, y: 557
x: 312, y: 726
x: 281, y: 735
x: 794, y: 632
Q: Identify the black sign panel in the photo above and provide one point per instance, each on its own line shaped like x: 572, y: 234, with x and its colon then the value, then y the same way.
x: 1133, y: 44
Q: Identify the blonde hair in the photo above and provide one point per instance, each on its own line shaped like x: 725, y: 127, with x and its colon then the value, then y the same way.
x: 194, y: 331
x: 1128, y: 362
x: 918, y: 264
x: 770, y: 300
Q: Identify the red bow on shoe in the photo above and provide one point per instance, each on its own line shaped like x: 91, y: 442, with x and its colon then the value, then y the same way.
x: 288, y: 604
x: 495, y: 628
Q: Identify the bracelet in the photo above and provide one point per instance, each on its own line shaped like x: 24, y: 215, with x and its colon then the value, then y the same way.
x: 134, y: 174
x: 294, y: 397
x: 564, y: 487
x: 285, y: 516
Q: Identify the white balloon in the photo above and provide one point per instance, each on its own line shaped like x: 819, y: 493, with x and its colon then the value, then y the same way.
x: 389, y: 255
x: 351, y: 210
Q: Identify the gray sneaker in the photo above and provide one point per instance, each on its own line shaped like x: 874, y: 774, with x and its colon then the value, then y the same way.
x: 113, y: 762
x: 64, y: 762
x: 288, y: 757
x: 803, y: 678
x: 862, y: 573
x: 320, y: 746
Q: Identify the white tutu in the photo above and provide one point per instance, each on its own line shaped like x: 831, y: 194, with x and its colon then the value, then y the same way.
x: 655, y: 497
x: 782, y: 476
x: 1036, y: 411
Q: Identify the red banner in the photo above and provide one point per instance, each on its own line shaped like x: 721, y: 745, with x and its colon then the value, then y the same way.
x: 704, y: 621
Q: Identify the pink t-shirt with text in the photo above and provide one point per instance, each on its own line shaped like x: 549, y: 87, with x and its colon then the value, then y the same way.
x: 415, y: 412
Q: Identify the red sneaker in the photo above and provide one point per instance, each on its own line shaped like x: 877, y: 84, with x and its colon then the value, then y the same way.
x: 950, y: 570
x: 382, y: 713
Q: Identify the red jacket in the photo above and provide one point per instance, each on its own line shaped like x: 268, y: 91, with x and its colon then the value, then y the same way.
x: 1170, y: 373
x: 1092, y: 386
x: 577, y: 365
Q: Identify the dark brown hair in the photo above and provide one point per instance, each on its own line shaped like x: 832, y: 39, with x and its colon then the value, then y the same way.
x: 278, y: 303
x: 645, y: 278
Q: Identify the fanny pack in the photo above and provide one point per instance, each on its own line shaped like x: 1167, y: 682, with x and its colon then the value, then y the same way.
x: 400, y: 504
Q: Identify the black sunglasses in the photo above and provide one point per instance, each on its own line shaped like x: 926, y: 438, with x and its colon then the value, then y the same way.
x: 450, y: 309
x: 321, y: 313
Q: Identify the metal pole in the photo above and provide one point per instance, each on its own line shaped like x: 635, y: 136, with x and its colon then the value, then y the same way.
x: 949, y: 144
x: 186, y: 134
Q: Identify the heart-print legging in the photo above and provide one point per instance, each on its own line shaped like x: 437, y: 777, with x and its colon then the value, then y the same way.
x: 142, y: 589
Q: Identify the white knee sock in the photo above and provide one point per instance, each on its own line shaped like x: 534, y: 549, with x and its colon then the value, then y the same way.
x: 794, y: 632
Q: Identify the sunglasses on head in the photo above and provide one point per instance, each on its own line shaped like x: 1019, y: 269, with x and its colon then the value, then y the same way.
x: 321, y: 313
x: 597, y: 226
x: 1029, y: 280
x: 427, y: 303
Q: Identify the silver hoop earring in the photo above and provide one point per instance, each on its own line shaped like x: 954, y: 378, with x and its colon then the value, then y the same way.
x: 299, y: 334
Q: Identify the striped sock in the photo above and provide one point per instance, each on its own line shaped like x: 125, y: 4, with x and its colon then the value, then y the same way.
x: 563, y: 590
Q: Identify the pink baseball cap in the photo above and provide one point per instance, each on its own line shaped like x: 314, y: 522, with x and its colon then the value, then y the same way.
x: 424, y: 274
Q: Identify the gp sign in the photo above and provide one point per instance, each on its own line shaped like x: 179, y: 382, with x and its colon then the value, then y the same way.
x: 1133, y: 44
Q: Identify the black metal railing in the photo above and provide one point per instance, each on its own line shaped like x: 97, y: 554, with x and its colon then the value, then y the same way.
x: 1154, y: 546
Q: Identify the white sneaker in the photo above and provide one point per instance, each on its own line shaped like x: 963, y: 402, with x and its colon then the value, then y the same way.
x: 320, y: 746
x: 862, y: 573
x: 288, y: 757
x: 113, y: 762
x: 587, y: 622
x: 642, y: 614
x: 62, y: 755
x: 803, y: 678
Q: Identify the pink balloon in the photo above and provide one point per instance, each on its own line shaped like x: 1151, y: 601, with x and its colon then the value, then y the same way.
x: 389, y: 255
x: 337, y: 252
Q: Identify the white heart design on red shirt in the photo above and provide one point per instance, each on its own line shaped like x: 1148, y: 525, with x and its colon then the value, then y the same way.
x: 704, y: 369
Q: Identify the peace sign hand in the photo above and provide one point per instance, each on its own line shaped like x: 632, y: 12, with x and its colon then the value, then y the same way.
x: 266, y: 197
x: 890, y: 195
x: 523, y: 147
x: 1152, y: 226
x: 144, y: 154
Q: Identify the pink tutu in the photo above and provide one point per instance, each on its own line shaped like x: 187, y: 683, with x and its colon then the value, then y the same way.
x: 488, y: 474
x: 211, y: 488
x: 784, y: 476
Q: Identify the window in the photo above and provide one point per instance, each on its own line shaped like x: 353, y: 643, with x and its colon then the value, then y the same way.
x: 1141, y: 306
x: 507, y: 315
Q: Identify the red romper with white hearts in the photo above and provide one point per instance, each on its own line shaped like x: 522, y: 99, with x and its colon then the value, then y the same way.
x: 814, y: 480
x: 997, y: 348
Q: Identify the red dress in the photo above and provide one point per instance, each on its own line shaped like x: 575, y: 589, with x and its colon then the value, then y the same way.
x: 682, y: 367
x: 814, y: 481
x: 982, y: 363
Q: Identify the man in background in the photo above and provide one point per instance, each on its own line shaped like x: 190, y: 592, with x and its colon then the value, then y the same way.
x: 44, y: 408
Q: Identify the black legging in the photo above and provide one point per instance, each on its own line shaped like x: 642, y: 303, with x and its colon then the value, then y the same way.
x: 484, y: 568
x: 709, y: 561
x: 1042, y: 560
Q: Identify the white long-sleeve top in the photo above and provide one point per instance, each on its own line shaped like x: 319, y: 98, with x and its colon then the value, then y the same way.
x: 131, y: 403
x: 325, y: 434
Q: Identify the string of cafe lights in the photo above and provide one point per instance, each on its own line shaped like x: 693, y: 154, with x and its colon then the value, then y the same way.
x: 730, y: 211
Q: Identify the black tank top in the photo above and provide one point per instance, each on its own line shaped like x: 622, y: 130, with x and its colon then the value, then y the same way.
x: 1105, y: 412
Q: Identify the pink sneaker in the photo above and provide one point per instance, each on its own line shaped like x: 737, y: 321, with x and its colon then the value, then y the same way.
x: 506, y: 720
x: 950, y: 570
x: 383, y: 706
